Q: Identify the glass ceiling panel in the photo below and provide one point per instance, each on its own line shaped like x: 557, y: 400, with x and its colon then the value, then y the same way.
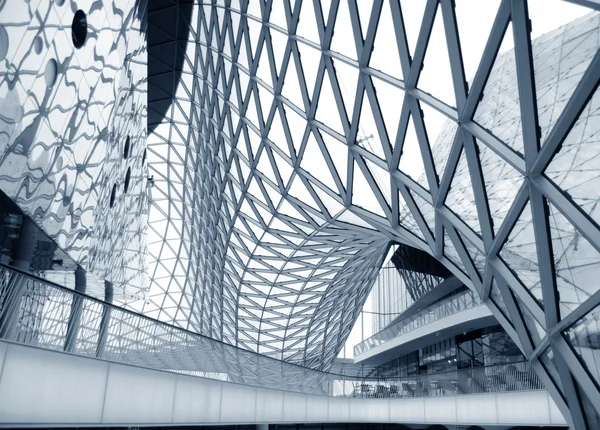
x: 268, y: 203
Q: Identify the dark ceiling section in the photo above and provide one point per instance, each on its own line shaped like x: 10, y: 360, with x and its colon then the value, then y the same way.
x: 168, y: 29
x: 413, y: 259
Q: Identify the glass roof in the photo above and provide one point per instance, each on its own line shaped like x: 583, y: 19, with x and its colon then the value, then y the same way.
x: 305, y: 137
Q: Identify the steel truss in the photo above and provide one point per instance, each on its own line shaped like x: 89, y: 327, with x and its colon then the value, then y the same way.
x: 283, y: 172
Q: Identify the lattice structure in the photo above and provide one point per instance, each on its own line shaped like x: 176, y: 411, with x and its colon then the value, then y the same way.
x: 302, y: 141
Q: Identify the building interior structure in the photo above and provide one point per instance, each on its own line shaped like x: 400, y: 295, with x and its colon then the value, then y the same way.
x: 300, y: 214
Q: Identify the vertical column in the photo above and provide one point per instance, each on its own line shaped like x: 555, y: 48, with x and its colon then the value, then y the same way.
x: 76, y: 310
x: 22, y: 255
x: 105, y: 321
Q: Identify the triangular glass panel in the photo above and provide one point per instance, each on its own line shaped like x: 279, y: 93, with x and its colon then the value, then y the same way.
x: 299, y: 191
x: 332, y: 205
x: 242, y: 147
x: 263, y: 71
x: 502, y: 183
x: 327, y: 109
x: 264, y: 165
x: 412, y: 14
x: 362, y: 193
x: 243, y: 57
x: 499, y: 108
x: 390, y: 100
x: 367, y: 135
x: 254, y: 28
x: 576, y: 262
x: 436, y: 75
x: 460, y: 198
x: 310, y: 59
x: 536, y: 330
x: 406, y: 218
x: 266, y: 101
x: 477, y: 256
x: 385, y: 56
x: 325, y: 7
x: 291, y: 86
x: 252, y: 111
x: 520, y: 254
x: 343, y: 37
x: 255, y: 8
x: 255, y: 142
x: 315, y: 164
x: 279, y: 43
x: 307, y: 25
x: 347, y: 77
x: 297, y: 126
x: 284, y: 168
x: 411, y: 160
x: 350, y: 217
x: 286, y: 208
x: 277, y: 133
x: 277, y: 16
x: 382, y: 178
x: 364, y: 15
x: 338, y: 151
x: 576, y: 165
x: 451, y: 254
x: 441, y: 132
x: 561, y: 57
x: 426, y: 210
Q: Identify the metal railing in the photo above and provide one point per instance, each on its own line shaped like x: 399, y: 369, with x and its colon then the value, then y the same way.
x: 37, y: 312
x: 518, y: 376
x: 452, y: 304
x: 40, y: 313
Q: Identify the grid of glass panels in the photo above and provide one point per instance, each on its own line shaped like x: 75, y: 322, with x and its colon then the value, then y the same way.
x: 307, y: 135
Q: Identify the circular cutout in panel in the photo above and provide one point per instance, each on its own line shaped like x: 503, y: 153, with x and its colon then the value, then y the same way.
x: 59, y: 2
x: 113, y: 195
x: 38, y: 45
x: 3, y: 43
x: 127, y: 179
x: 79, y: 29
x: 126, y: 149
x: 51, y: 72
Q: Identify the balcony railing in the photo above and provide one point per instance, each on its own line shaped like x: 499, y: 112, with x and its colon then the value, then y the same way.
x: 517, y: 376
x: 37, y: 312
x: 452, y: 304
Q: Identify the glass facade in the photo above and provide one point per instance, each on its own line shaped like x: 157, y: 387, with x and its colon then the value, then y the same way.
x: 72, y: 98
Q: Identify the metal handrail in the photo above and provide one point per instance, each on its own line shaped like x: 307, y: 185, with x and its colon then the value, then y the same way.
x: 455, y: 302
x: 38, y: 312
x: 48, y: 313
x: 516, y: 376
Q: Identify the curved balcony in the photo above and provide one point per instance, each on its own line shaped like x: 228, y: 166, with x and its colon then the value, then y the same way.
x: 440, y: 317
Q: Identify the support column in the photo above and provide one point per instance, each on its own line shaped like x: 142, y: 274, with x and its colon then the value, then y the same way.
x: 10, y: 306
x: 76, y: 310
x: 105, y: 321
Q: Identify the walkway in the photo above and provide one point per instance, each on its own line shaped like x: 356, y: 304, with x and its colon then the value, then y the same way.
x: 42, y: 388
